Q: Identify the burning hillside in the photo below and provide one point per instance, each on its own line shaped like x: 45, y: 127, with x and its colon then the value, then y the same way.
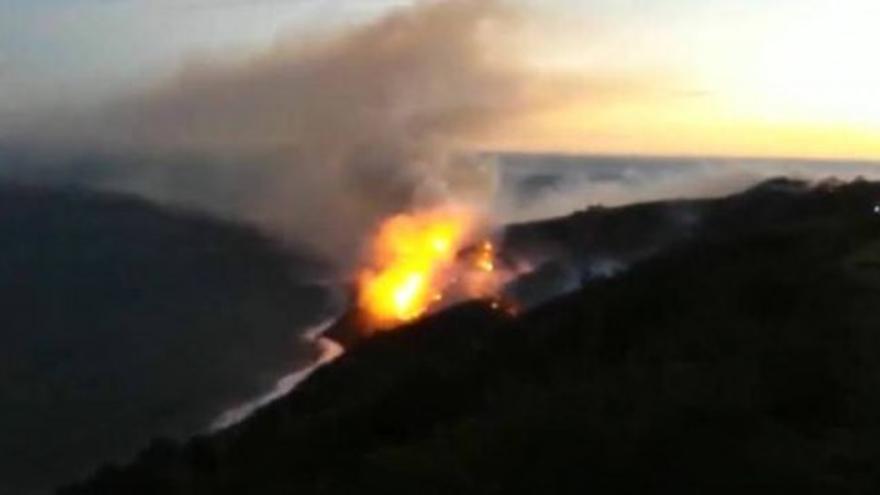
x: 739, y: 358
x: 419, y: 261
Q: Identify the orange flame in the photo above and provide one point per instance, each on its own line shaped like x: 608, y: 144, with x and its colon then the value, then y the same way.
x: 480, y: 279
x: 413, y: 260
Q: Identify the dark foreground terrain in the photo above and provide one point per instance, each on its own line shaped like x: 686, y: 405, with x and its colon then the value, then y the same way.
x: 740, y: 352
x: 121, y: 320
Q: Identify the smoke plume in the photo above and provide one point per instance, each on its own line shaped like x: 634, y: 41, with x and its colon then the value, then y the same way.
x: 354, y: 126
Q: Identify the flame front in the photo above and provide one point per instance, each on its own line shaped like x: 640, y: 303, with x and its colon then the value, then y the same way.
x: 413, y: 257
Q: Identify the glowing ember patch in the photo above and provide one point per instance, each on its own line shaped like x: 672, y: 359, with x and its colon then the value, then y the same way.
x: 486, y: 257
x: 412, y: 257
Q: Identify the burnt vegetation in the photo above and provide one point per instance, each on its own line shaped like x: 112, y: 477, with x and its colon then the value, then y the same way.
x: 744, y: 355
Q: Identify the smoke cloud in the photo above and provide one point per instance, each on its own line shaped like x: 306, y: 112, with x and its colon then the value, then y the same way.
x: 353, y: 126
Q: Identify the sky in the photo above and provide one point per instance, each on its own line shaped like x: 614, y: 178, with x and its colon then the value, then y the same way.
x: 794, y: 78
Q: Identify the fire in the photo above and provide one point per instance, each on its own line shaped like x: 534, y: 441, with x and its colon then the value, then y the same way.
x: 413, y: 260
x: 486, y: 257
x: 421, y: 260
x: 481, y: 279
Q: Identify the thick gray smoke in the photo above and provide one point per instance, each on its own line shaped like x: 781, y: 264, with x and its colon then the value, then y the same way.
x: 353, y: 126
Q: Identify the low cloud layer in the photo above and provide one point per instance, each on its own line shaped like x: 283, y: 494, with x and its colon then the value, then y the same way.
x: 545, y: 186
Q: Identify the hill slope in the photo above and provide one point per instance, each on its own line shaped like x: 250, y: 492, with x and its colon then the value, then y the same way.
x: 741, y: 357
x: 122, y: 320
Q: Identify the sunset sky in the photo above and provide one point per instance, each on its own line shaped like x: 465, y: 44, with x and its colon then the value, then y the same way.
x: 793, y: 78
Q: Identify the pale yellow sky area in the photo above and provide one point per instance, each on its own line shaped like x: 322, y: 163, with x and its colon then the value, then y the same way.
x: 685, y: 125
x: 782, y: 79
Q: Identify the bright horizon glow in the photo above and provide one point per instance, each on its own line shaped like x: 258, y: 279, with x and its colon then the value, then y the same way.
x: 787, y: 79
